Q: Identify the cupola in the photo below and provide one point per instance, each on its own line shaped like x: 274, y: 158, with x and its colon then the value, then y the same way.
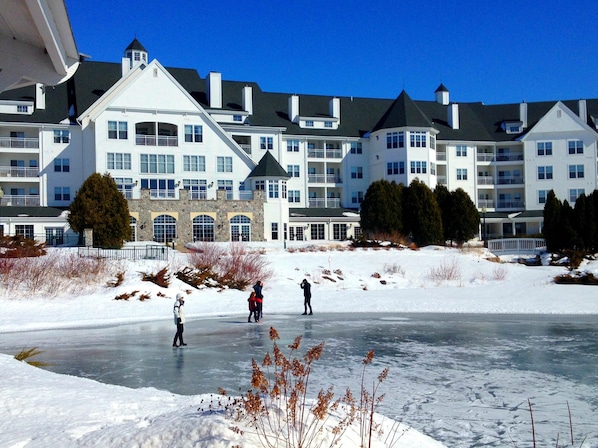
x: 135, y: 54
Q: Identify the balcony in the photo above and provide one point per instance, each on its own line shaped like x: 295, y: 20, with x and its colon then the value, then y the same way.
x: 440, y: 156
x: 510, y: 157
x: 166, y: 193
x: 486, y: 180
x: 510, y: 204
x: 20, y: 200
x: 156, y: 140
x: 19, y: 142
x: 324, y: 203
x: 485, y: 203
x: 485, y: 157
x: 325, y: 153
x: 323, y: 179
x: 510, y: 180
x: 18, y: 171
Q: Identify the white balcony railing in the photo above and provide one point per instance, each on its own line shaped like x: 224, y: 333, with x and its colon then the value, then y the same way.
x: 156, y: 140
x: 18, y: 171
x: 323, y: 179
x: 324, y: 203
x: 16, y: 142
x: 325, y: 153
x: 510, y: 180
x: 167, y: 193
x: 485, y: 203
x: 20, y: 200
x: 485, y: 180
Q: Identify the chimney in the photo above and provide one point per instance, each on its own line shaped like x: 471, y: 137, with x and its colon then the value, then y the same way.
x: 523, y: 114
x: 125, y: 66
x: 40, y: 96
x: 583, y: 111
x: 335, y: 109
x: 248, y: 99
x: 294, y: 108
x: 453, y: 116
x: 215, y: 90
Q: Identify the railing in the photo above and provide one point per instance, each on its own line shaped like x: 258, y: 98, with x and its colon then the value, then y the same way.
x: 16, y: 142
x: 18, y: 171
x: 510, y: 180
x: 485, y: 203
x: 197, y: 195
x: 246, y: 195
x: 509, y: 157
x: 485, y: 180
x: 150, y: 252
x: 517, y: 246
x: 157, y: 140
x: 163, y: 193
x: 441, y: 180
x: 20, y: 200
x: 325, y: 153
x: 440, y: 156
x: 323, y: 179
x: 324, y: 203
x: 509, y: 204
x: 485, y: 157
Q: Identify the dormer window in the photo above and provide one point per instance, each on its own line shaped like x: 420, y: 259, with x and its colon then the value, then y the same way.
x: 512, y: 127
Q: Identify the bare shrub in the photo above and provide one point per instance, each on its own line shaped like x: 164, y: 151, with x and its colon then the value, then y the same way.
x: 206, y: 255
x: 160, y: 278
x: 27, y: 354
x: 120, y: 277
x: 240, y: 268
x: 448, y: 270
x: 394, y: 269
x: 500, y: 273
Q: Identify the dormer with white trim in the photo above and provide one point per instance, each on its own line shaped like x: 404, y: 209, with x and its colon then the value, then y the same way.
x: 318, y: 122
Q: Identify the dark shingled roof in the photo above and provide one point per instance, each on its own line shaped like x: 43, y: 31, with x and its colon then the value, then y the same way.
x: 35, y: 212
x: 269, y: 167
x: 136, y: 45
x: 403, y: 112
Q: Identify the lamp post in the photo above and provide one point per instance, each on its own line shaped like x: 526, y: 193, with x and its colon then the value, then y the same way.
x: 484, y: 225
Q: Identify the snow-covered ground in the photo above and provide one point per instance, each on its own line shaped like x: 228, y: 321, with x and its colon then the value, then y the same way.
x: 39, y: 408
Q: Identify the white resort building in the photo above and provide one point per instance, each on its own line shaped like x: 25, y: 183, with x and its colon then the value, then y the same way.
x: 205, y: 159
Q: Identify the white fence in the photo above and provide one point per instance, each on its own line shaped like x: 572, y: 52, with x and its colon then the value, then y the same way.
x: 508, y: 246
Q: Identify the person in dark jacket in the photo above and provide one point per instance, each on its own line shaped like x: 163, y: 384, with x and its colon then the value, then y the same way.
x: 259, y: 298
x: 253, y: 307
x: 306, y: 286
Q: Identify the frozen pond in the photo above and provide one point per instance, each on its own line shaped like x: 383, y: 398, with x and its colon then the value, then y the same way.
x: 464, y: 380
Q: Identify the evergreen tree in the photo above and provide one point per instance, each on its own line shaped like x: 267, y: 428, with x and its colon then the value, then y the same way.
x: 464, y: 217
x: 422, y: 214
x: 99, y: 205
x: 568, y: 236
x: 381, y: 208
x: 583, y: 222
x: 552, y: 222
x: 445, y: 203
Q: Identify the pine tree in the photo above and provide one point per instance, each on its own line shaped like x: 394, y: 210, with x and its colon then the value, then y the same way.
x: 552, y: 222
x: 422, y: 214
x: 100, y: 206
x: 464, y: 217
x: 381, y: 211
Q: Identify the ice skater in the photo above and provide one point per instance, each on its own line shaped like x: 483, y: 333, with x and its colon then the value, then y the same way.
x: 179, y: 320
x: 259, y: 298
x: 306, y: 287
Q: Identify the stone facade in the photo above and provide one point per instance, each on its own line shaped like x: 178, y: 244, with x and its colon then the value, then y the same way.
x: 184, y: 209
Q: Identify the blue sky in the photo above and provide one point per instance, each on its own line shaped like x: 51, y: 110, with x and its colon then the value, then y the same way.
x: 493, y: 52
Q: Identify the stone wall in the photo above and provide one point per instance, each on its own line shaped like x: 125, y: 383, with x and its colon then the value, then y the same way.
x: 184, y: 208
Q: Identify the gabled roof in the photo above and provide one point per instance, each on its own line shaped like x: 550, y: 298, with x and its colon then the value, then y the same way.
x: 441, y: 88
x: 403, y: 112
x: 269, y: 167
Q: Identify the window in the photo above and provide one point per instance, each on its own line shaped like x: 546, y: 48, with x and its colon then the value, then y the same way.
x: 118, y: 161
x: 294, y: 195
x: 356, y: 172
x: 432, y: 142
x: 62, y: 136
x: 309, y: 123
x: 54, y: 236
x: 157, y: 163
x: 356, y: 197
x: 266, y: 143
x: 461, y: 151
x: 356, y: 148
x: 224, y: 164
x: 317, y: 232
x: 117, y: 130
x: 274, y: 230
x: 240, y: 228
x: 392, y: 140
x: 418, y: 167
x: 461, y: 173
x: 62, y: 193
x: 575, y: 147
x: 433, y: 168
x: 544, y: 148
x: 328, y: 124
x: 237, y: 118
x: 544, y: 172
x: 164, y: 229
x: 203, y: 228
x: 293, y: 145
x: 62, y: 165
x: 417, y: 139
x: 194, y: 163
x: 24, y: 230
x: 273, y: 189
x: 575, y: 193
x: 193, y: 133
x: 22, y: 109
x: 339, y: 232
x: 576, y: 172
x: 260, y: 185
x: 125, y: 186
x: 197, y: 188
x: 542, y: 194
x: 394, y: 168
x: 226, y: 185
x: 293, y: 170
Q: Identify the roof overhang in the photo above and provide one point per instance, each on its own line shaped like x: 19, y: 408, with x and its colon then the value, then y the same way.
x: 36, y: 44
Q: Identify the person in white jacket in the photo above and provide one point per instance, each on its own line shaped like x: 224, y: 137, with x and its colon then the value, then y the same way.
x: 179, y: 320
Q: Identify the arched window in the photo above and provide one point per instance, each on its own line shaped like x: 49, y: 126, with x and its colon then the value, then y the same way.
x: 133, y: 224
x: 164, y: 229
x: 240, y: 228
x: 203, y: 228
